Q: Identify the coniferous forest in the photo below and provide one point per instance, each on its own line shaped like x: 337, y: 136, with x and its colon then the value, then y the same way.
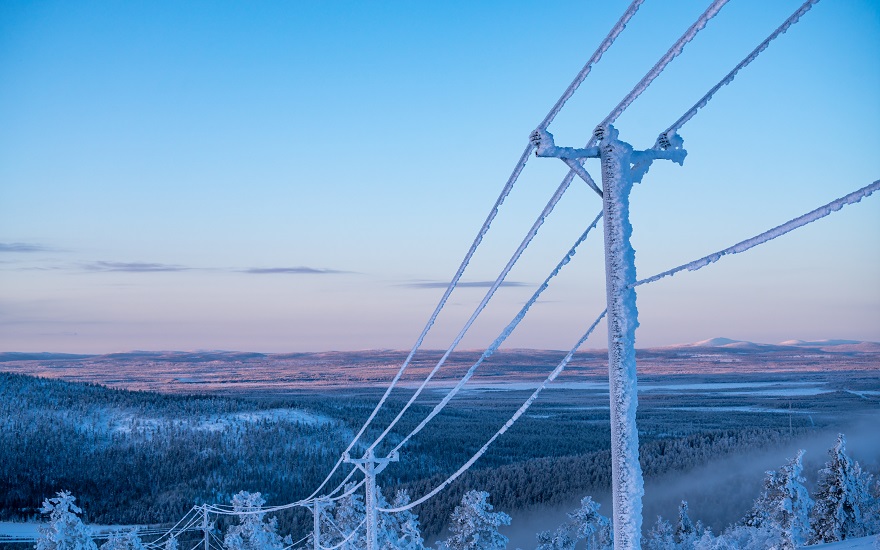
x: 147, y: 458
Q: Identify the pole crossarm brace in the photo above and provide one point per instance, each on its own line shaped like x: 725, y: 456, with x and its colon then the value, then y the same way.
x: 582, y: 173
x: 371, y: 462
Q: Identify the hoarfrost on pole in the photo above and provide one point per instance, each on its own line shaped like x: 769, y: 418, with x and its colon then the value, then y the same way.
x: 618, y: 176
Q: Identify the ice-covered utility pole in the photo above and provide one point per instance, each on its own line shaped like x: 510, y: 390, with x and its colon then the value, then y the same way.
x: 618, y: 177
x: 371, y: 467
x: 206, y: 528
x: 318, y: 505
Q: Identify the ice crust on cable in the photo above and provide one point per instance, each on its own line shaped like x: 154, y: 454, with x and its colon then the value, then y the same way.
x: 597, y: 55
x: 548, y: 208
x: 508, y: 186
x: 508, y: 330
x: 805, y: 7
x: 609, y: 39
x: 670, y: 54
x: 507, y: 425
x: 770, y: 234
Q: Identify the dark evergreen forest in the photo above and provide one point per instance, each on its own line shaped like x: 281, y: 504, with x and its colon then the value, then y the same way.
x: 146, y: 458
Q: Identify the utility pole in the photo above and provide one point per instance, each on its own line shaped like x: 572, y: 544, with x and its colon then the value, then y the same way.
x: 317, y: 506
x: 618, y: 176
x: 206, y: 526
x: 371, y: 467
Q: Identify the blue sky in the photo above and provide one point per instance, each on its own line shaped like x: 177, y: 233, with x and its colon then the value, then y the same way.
x: 292, y: 176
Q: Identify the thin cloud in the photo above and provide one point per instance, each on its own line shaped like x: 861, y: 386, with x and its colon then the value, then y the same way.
x: 23, y: 247
x: 134, y: 267
x: 468, y: 284
x: 293, y: 271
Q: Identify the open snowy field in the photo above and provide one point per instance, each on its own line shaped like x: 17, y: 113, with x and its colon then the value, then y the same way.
x: 238, y: 372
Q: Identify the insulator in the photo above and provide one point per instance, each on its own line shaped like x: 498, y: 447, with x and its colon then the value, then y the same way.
x: 663, y: 141
x: 599, y: 133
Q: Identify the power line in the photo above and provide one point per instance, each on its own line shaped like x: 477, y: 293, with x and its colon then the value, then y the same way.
x: 518, y: 168
x: 805, y: 7
x: 516, y: 255
x: 346, y: 539
x: 528, y: 403
x: 502, y: 337
x: 597, y: 55
x: 770, y: 234
x: 655, y: 71
x: 742, y: 246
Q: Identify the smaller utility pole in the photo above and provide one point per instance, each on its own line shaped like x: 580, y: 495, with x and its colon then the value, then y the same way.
x: 206, y: 528
x: 317, y: 506
x: 371, y: 467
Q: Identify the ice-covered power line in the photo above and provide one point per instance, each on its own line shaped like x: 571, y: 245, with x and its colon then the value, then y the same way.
x: 346, y: 539
x: 505, y: 333
x: 597, y: 55
x: 548, y: 208
x: 694, y: 265
x: 514, y: 176
x: 226, y: 510
x: 673, y: 52
x: 655, y: 71
x: 794, y: 18
x: 762, y: 238
x: 575, y: 166
x: 770, y: 234
x: 523, y: 408
x: 800, y: 221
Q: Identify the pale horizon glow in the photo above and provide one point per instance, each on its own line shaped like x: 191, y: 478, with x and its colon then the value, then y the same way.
x: 290, y: 177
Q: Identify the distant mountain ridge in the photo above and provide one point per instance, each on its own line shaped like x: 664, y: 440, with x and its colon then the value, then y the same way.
x: 819, y: 345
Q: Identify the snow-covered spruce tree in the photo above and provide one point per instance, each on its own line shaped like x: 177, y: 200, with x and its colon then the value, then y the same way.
x: 592, y: 526
x: 842, y: 498
x: 793, y: 512
x: 585, y: 523
x: 400, y: 530
x: 739, y: 537
x: 762, y: 510
x: 873, y: 523
x: 555, y: 540
x: 123, y: 540
x: 348, y: 518
x: 474, y: 526
x: 171, y: 543
x: 661, y: 536
x: 562, y: 538
x: 685, y: 532
x: 253, y: 532
x: 65, y: 530
x: 783, y: 508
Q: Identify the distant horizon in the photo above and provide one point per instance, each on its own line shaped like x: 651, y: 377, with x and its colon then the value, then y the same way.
x: 708, y: 342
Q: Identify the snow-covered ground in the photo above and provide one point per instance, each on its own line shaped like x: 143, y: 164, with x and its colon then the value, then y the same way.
x: 125, y: 421
x: 30, y: 530
x: 864, y: 543
x: 781, y: 389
